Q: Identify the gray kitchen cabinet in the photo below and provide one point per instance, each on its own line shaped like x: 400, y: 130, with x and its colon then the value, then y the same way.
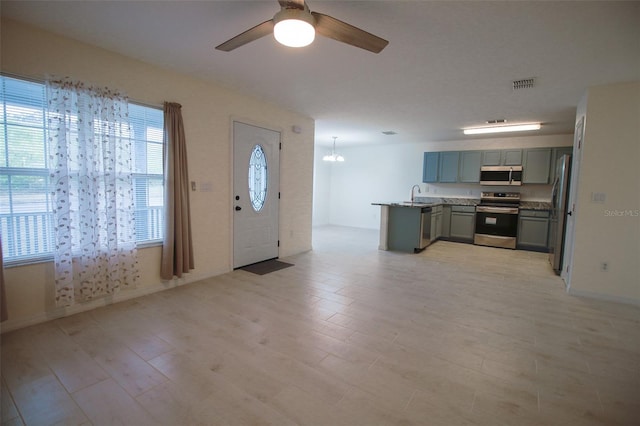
x: 446, y: 222
x: 462, y: 224
x: 404, y: 229
x: 536, y: 165
x: 502, y: 157
x: 533, y: 230
x: 449, y: 166
x: 511, y: 157
x: 469, y: 168
x: 430, y: 167
x: 436, y: 223
x: 491, y: 158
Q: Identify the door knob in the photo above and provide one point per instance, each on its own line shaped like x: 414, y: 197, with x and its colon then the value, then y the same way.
x: 238, y: 208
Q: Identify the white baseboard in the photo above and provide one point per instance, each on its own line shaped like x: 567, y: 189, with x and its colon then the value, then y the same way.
x: 11, y: 325
x: 600, y: 296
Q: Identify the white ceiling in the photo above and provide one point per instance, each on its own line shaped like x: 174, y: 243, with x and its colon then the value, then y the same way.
x: 448, y: 65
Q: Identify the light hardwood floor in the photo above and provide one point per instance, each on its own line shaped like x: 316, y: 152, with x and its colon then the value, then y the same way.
x: 456, y: 335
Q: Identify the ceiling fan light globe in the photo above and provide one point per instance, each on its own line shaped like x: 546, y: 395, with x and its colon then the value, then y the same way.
x: 294, y: 28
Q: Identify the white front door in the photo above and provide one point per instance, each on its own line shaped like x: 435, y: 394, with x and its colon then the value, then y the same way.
x: 256, y: 194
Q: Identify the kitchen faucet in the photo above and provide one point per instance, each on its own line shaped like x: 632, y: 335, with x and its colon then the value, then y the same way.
x: 412, y: 188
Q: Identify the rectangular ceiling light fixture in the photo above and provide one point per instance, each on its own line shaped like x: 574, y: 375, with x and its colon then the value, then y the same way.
x: 501, y: 129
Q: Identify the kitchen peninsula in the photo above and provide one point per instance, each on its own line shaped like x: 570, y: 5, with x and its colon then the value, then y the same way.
x: 412, y: 226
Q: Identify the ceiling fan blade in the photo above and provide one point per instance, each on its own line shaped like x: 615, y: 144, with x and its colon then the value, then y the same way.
x: 248, y: 36
x: 346, y: 33
x: 292, y: 4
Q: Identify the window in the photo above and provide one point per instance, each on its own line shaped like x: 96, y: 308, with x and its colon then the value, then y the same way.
x: 147, y: 131
x: 26, y: 222
x: 258, y: 178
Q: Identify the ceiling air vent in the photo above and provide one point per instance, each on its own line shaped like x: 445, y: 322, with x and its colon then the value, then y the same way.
x: 525, y: 83
x: 389, y: 133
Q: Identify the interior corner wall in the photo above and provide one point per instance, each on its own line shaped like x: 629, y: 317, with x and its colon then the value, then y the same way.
x: 609, y: 231
x: 208, y: 110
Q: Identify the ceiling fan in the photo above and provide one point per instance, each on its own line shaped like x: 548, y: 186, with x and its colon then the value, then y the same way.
x: 295, y: 26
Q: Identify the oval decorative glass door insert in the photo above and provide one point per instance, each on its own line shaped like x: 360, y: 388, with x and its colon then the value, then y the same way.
x: 257, y: 178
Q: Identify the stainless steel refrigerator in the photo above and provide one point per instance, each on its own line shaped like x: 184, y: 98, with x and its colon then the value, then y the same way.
x: 559, y: 212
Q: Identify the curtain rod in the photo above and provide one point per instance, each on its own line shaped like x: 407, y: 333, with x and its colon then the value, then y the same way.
x: 42, y: 81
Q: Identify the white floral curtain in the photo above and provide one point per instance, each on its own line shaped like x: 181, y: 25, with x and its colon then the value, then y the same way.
x: 91, y: 162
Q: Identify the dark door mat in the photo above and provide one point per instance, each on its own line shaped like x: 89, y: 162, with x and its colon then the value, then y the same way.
x: 262, y: 268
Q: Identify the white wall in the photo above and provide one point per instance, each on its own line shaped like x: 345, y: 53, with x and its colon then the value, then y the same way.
x: 208, y: 110
x: 321, y: 188
x: 387, y: 173
x: 609, y: 231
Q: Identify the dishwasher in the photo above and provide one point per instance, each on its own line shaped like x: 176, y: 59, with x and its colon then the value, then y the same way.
x: 425, y: 228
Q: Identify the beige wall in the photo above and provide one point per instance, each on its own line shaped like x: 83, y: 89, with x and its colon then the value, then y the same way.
x: 610, y: 231
x: 208, y: 110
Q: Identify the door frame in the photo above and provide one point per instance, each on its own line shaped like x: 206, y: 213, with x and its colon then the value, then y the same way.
x: 230, y: 209
x: 569, y: 238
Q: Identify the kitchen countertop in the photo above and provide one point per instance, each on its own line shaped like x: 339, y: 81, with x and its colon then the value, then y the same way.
x: 404, y: 204
x: 535, y: 205
x: 421, y: 202
x: 450, y: 201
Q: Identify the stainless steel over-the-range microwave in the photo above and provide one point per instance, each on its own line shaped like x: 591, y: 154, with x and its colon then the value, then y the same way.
x: 501, y: 175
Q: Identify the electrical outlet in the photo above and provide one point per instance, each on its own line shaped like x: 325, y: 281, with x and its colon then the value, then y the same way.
x: 604, y: 266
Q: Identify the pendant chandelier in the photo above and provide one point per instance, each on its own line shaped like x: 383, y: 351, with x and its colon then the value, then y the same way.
x: 333, y: 156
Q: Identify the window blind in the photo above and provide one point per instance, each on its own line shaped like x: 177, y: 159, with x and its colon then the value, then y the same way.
x: 26, y: 219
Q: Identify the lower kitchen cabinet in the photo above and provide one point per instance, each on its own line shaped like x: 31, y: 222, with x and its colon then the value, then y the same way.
x: 446, y: 221
x: 462, y: 223
x: 533, y: 230
x: 436, y: 223
x: 404, y: 229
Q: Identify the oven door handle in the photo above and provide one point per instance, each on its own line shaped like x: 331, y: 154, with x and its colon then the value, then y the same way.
x: 487, y: 209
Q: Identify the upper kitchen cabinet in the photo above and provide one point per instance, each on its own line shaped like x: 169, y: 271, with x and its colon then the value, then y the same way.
x: 449, y: 166
x: 502, y: 157
x: 536, y: 166
x: 440, y: 167
x: 512, y: 157
x: 430, y: 167
x: 469, y: 167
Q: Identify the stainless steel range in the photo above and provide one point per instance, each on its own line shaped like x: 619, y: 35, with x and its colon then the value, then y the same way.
x: 497, y: 219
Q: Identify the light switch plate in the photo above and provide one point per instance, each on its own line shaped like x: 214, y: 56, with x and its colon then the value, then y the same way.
x: 598, y: 197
